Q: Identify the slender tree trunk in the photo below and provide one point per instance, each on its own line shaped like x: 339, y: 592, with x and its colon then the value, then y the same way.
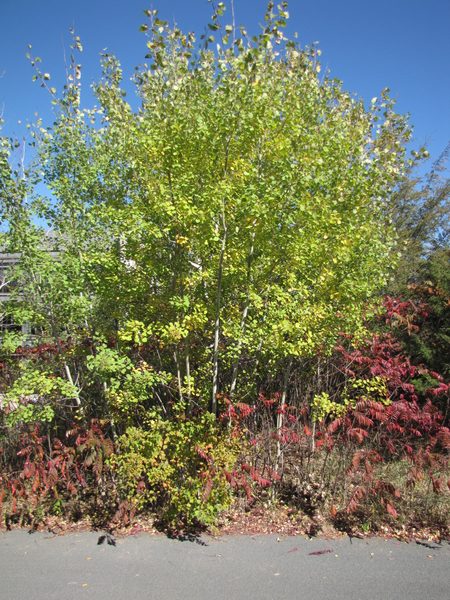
x: 67, y: 370
x: 111, y: 418
x: 188, y: 379
x: 318, y: 389
x: 215, y: 360
x: 180, y: 383
x: 213, y: 401
x: 244, y: 315
x: 70, y: 379
x: 280, y: 416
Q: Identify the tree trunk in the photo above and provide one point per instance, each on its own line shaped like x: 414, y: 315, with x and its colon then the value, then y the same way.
x: 244, y: 315
x: 280, y: 416
x: 213, y: 401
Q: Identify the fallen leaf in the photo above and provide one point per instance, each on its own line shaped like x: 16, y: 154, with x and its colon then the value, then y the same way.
x: 320, y: 552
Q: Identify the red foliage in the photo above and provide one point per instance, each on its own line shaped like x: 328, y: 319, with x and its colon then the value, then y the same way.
x: 405, y: 313
x: 382, y: 356
x: 63, y: 470
x: 43, y: 351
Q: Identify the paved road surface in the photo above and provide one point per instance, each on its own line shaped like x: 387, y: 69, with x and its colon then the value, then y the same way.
x: 40, y: 566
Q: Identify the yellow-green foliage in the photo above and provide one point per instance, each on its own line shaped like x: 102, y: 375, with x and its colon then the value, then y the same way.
x: 127, y: 385
x: 32, y: 394
x: 255, y: 237
x: 374, y: 388
x: 357, y: 389
x: 136, y: 386
x: 176, y: 467
x: 322, y: 407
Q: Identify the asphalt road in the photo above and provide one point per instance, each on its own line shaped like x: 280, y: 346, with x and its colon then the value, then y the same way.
x: 41, y: 566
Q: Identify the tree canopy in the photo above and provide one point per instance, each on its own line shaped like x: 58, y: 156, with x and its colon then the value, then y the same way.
x: 239, y: 215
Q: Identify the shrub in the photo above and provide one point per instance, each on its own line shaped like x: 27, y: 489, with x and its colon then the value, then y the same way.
x: 176, y: 467
x: 70, y: 478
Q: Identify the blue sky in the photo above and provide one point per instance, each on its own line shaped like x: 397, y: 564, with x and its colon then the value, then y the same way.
x: 401, y: 44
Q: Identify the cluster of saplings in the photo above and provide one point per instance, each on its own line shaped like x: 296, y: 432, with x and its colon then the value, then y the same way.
x: 209, y: 286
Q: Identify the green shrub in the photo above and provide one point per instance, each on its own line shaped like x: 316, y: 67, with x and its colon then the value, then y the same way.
x: 177, y: 468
